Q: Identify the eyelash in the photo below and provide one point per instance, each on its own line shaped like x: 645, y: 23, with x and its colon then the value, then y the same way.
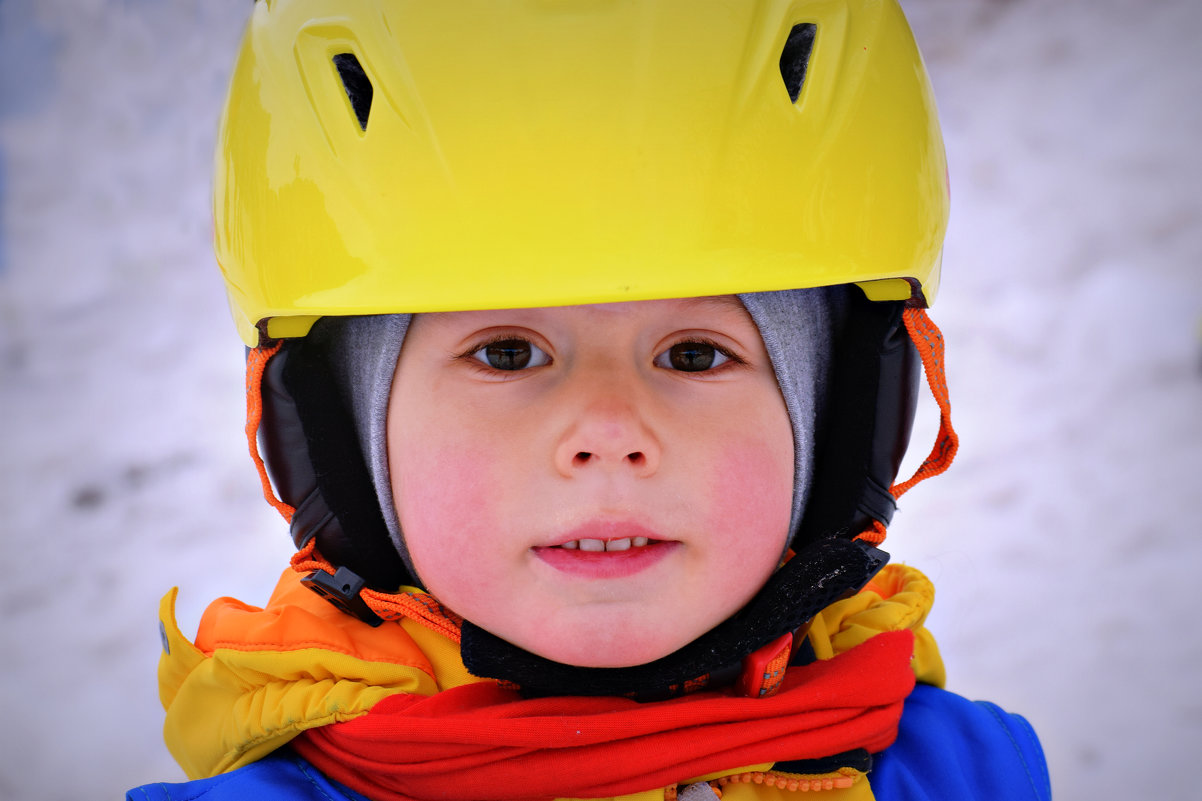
x: 732, y: 358
x: 469, y: 355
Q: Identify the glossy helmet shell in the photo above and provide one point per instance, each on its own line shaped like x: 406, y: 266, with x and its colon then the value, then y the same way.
x: 385, y: 156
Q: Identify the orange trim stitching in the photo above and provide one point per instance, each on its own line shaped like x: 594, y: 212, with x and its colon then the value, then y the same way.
x: 256, y: 363
x: 258, y: 646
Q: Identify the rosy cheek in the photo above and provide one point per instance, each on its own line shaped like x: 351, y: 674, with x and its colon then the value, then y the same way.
x: 433, y: 491
x: 752, y: 495
x: 443, y: 501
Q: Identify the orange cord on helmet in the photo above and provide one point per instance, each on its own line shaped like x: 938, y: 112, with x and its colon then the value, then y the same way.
x: 256, y: 363
x: 874, y: 535
x: 929, y: 341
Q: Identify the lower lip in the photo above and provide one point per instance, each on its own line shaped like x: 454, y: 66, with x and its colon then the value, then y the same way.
x: 605, y: 564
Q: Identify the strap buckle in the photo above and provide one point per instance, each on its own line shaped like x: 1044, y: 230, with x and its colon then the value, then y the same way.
x: 342, y: 590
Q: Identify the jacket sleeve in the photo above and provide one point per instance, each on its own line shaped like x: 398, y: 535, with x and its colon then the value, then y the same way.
x: 948, y: 747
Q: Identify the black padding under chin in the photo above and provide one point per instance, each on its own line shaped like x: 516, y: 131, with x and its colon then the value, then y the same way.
x: 309, y: 444
x: 865, y: 424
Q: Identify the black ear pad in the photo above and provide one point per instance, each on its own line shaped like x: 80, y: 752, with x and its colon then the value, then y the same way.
x: 865, y: 424
x: 308, y: 441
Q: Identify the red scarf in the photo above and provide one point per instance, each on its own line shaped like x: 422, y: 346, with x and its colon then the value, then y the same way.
x: 482, y: 742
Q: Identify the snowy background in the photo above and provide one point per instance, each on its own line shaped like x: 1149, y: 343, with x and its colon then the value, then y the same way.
x: 1065, y: 542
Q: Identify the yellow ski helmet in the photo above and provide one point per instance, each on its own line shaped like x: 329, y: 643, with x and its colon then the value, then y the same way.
x: 388, y: 156
x: 383, y: 156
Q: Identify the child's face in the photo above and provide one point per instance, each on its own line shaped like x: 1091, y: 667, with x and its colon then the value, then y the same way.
x: 519, y: 440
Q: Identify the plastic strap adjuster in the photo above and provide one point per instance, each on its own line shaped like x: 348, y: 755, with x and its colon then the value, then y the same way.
x: 342, y: 590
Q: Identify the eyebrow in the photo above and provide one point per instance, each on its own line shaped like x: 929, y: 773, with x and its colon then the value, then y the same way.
x: 721, y: 301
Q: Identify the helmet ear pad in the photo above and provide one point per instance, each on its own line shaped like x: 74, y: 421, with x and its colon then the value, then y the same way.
x: 309, y: 444
x: 865, y: 423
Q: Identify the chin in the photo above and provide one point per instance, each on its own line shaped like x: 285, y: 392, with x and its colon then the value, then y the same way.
x: 596, y: 651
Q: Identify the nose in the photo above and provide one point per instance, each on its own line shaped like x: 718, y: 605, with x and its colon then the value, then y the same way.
x: 607, y: 432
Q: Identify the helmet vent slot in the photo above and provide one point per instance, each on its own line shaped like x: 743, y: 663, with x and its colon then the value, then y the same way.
x: 795, y: 58
x: 357, y: 85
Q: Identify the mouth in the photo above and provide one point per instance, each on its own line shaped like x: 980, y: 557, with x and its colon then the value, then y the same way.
x: 605, y: 550
x: 589, y: 545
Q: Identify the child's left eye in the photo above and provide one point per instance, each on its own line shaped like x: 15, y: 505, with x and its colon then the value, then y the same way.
x: 692, y: 357
x: 511, y: 354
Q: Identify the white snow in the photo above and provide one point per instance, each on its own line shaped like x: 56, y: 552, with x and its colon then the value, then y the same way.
x: 1064, y: 542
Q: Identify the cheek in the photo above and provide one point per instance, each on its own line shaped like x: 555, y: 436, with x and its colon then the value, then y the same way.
x: 753, y: 494
x: 439, y: 490
x: 445, y: 491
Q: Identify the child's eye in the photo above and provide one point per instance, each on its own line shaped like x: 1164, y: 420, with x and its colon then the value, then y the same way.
x: 511, y: 354
x: 692, y: 357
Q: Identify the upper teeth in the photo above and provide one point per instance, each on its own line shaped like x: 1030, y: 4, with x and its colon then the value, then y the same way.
x: 623, y: 544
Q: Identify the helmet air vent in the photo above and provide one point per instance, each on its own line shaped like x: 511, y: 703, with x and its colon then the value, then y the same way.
x: 796, y: 57
x: 357, y: 85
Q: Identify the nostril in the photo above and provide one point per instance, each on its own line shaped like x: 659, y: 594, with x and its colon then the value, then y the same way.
x: 584, y: 458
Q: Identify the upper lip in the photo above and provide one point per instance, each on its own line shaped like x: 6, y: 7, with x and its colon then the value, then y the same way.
x: 604, y: 530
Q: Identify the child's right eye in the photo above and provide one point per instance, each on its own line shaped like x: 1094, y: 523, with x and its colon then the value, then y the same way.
x: 512, y: 354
